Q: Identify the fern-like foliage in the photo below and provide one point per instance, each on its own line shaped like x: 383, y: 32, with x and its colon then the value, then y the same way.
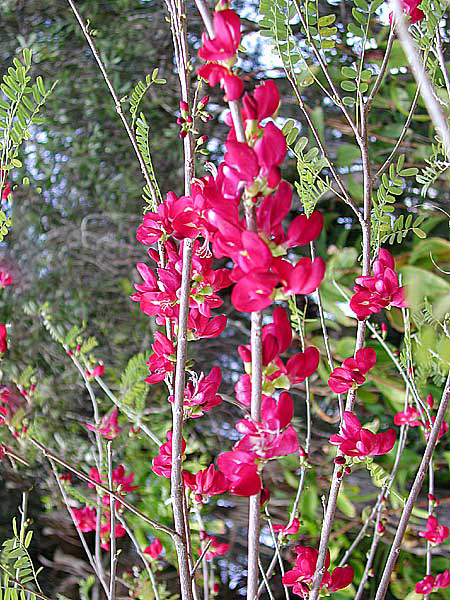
x: 311, y: 184
x: 385, y: 226
x: 139, y: 91
x: 16, y: 563
x: 142, y: 139
x: 133, y: 389
x: 20, y: 104
x: 437, y: 165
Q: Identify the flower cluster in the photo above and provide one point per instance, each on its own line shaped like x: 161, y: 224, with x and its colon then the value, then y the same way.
x: 276, y: 339
x: 154, y: 550
x: 377, y: 291
x: 432, y: 584
x: 301, y: 576
x: 355, y: 440
x: 271, y: 438
x: 86, y: 520
x: 351, y: 373
x: 109, y: 427
x: 413, y: 418
x: 220, y: 52
x: 434, y: 533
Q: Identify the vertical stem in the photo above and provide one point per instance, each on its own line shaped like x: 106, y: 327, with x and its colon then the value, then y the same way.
x: 112, y: 506
x: 412, y: 496
x: 177, y: 11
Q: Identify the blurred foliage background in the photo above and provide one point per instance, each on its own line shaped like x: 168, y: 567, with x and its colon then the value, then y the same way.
x: 72, y: 248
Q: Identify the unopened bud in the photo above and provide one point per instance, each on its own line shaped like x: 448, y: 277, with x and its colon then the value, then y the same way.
x: 339, y: 460
x: 181, y: 121
x: 184, y: 107
x: 340, y: 474
x: 430, y: 400
x: 189, y: 119
x: 348, y: 470
x: 264, y: 497
x: 203, y: 102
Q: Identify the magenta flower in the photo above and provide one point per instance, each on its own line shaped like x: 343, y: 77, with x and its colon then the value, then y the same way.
x: 109, y: 427
x: 3, y: 338
x: 373, y: 293
x: 85, y: 518
x: 155, y: 549
x: 411, y: 8
x: 206, y: 483
x: 410, y: 417
x: 227, y: 36
x: 301, y: 576
x: 5, y: 279
x: 430, y: 584
x: 159, y: 363
x: 105, y: 533
x: 290, y: 529
x: 262, y: 103
x: 162, y: 464
x: 97, y: 371
x: 354, y: 440
x: 216, y: 548
x: 201, y: 397
x: 352, y: 371
x: 434, y: 533
x: 240, y: 469
x: 302, y: 365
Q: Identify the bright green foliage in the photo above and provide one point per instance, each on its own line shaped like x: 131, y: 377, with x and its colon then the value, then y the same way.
x: 133, y: 388
x: 15, y: 562
x: 20, y: 103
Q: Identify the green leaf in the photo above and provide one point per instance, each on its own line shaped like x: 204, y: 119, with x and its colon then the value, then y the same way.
x: 348, y: 86
x: 419, y: 232
x: 349, y: 72
x: 326, y: 20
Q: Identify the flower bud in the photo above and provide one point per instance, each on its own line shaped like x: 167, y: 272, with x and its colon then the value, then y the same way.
x: 184, y: 107
x: 339, y: 460
x: 430, y: 400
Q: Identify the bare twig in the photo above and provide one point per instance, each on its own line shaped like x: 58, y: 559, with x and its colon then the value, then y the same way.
x: 141, y: 555
x: 57, y: 459
x: 112, y: 506
x: 421, y: 76
x: 117, y: 103
x: 177, y: 12
x: 413, y: 494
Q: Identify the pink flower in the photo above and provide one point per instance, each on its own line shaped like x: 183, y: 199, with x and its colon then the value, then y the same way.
x: 97, y: 371
x: 240, y: 469
x: 6, y: 188
x: 105, y: 534
x: 409, y: 417
x: 442, y: 431
x: 354, y: 440
x: 206, y: 483
x: 434, y: 533
x: 262, y: 103
x: 304, y: 278
x: 301, y: 576
x: 202, y: 327
x: 411, y: 8
x: 290, y: 529
x: 159, y: 363
x: 5, y: 279
x: 227, y: 36
x: 302, y: 365
x: 3, y: 339
x: 373, y: 293
x: 215, y: 548
x: 430, y: 583
x: 162, y: 464
x: 109, y: 427
x: 85, y: 518
x: 352, y: 371
x: 202, y: 396
x: 155, y: 549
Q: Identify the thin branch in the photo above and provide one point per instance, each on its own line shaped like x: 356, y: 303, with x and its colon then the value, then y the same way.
x: 413, y: 494
x: 177, y: 12
x: 421, y: 76
x: 91, y: 559
x: 57, y: 459
x: 112, y: 517
x: 336, y: 95
x: 399, y: 142
x: 384, y: 64
x: 441, y: 59
x: 141, y: 555
x: 117, y: 103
